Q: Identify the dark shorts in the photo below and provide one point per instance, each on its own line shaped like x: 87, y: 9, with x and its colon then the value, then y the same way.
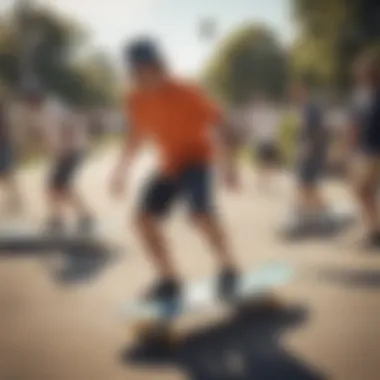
x: 6, y: 159
x: 64, y: 170
x: 193, y: 185
x: 268, y: 153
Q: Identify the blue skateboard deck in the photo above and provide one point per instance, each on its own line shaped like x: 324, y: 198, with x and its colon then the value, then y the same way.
x: 204, y: 294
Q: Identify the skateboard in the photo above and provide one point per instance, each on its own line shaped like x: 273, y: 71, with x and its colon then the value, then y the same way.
x: 326, y: 224
x: 29, y: 236
x: 154, y: 322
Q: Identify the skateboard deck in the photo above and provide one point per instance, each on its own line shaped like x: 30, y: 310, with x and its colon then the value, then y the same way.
x: 151, y: 318
x: 331, y: 222
x: 29, y: 236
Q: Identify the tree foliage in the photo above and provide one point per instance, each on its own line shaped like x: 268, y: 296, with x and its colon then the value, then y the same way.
x: 249, y: 61
x: 53, y: 60
x: 331, y: 33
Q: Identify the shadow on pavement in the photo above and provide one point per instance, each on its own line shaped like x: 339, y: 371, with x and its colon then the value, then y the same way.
x: 69, y: 261
x: 242, y: 348
x: 361, y: 278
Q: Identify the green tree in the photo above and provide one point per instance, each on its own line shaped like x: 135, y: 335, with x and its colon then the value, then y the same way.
x: 99, y: 75
x: 249, y: 61
x: 53, y: 59
x: 331, y: 33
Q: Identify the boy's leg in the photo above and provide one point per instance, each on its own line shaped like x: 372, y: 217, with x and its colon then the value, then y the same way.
x: 156, y: 201
x: 81, y: 208
x: 214, y: 232
x: 197, y: 187
x: 310, y: 198
x: 57, y: 194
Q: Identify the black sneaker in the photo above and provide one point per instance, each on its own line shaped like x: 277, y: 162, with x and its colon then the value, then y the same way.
x: 166, y: 290
x: 227, y: 283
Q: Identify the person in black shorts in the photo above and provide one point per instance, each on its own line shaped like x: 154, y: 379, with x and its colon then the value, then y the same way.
x: 365, y: 141
x: 184, y: 123
x: 312, y: 153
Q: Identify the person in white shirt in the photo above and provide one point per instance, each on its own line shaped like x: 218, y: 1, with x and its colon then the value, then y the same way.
x: 64, y: 136
x: 264, y: 122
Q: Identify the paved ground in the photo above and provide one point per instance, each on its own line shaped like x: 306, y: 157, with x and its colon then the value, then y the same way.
x: 52, y: 329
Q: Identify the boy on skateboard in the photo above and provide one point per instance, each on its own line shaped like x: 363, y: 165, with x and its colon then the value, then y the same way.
x: 180, y: 119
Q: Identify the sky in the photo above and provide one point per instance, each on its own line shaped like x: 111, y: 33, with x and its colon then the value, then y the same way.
x: 175, y: 23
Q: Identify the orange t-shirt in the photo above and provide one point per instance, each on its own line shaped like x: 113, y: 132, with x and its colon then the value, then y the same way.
x: 179, y: 117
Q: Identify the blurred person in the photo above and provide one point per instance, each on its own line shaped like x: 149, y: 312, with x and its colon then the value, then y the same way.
x: 265, y: 123
x: 364, y: 139
x: 312, y: 150
x: 336, y: 122
x: 180, y: 119
x: 64, y: 136
x: 8, y: 180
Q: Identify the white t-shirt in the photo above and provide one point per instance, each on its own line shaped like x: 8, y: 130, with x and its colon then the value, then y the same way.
x: 264, y: 124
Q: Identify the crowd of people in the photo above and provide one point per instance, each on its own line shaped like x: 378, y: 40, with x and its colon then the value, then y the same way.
x: 188, y: 130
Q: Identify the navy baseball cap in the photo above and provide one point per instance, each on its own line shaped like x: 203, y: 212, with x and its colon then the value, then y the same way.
x: 143, y: 51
